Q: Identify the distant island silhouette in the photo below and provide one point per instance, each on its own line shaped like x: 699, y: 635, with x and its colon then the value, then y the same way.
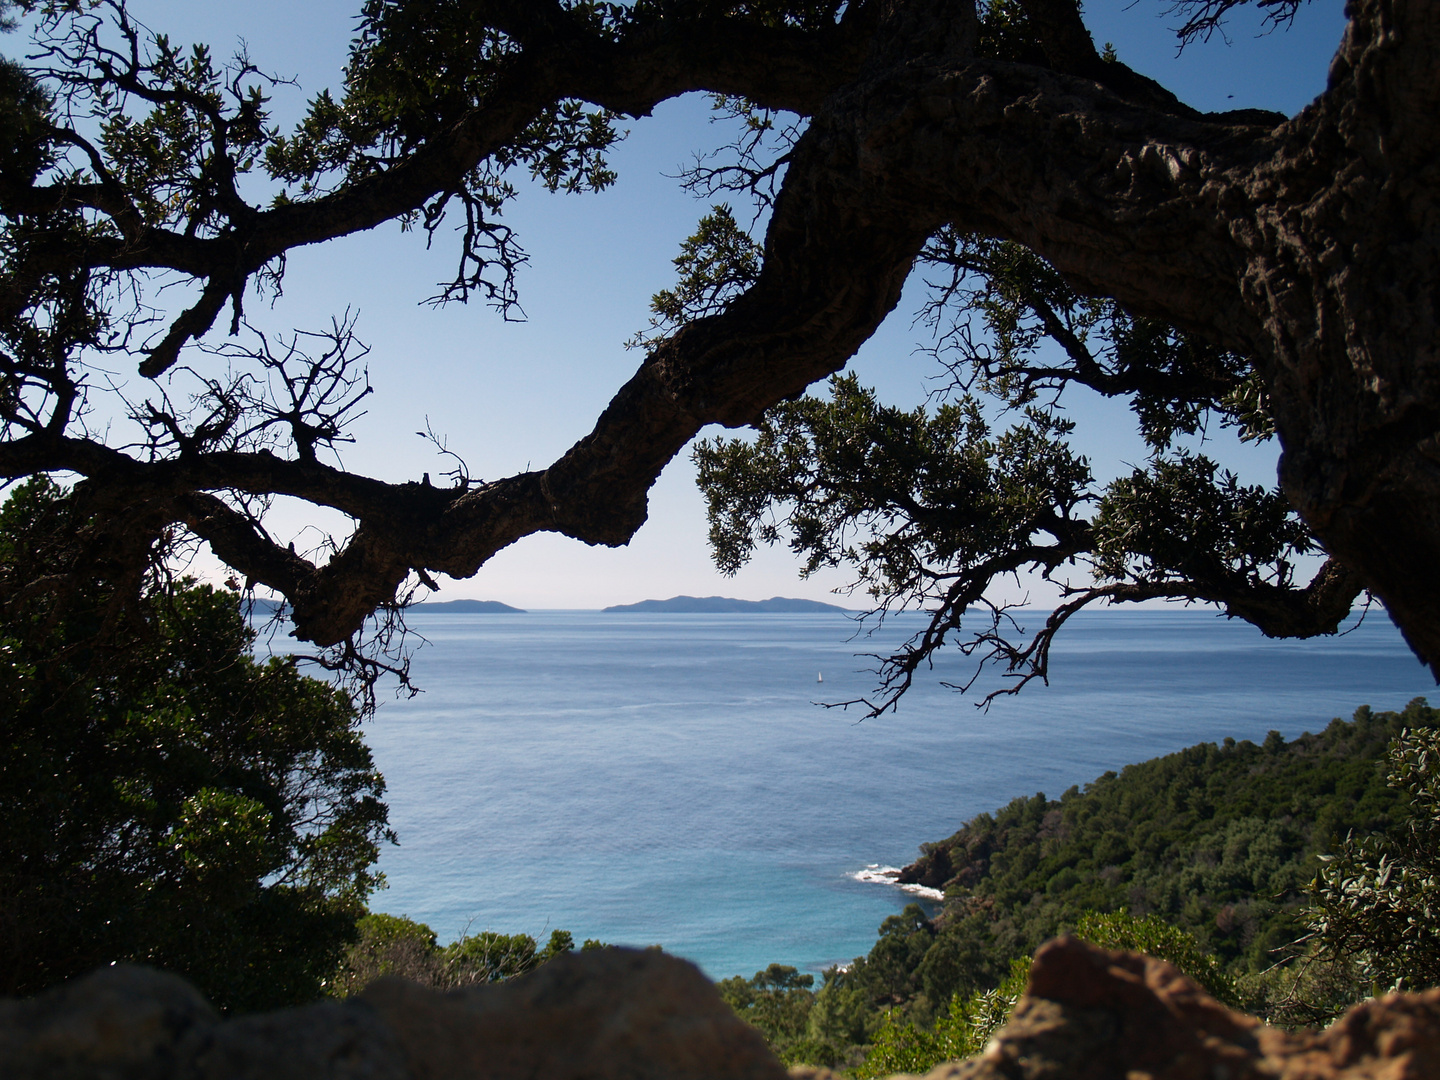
x: 708, y: 604
x: 467, y: 607
x: 265, y: 609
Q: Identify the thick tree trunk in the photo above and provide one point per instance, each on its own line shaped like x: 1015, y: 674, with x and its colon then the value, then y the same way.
x: 1345, y: 270
x: 1313, y: 247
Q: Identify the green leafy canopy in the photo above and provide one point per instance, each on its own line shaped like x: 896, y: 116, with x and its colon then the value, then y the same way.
x: 1376, y: 899
x: 168, y: 798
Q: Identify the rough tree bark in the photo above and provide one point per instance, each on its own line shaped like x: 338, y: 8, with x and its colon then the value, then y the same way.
x: 1308, y: 244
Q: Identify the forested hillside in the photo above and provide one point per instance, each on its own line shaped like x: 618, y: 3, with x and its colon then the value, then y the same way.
x: 1221, y: 841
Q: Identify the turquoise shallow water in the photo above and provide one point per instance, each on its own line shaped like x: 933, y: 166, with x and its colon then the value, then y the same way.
x: 668, y: 779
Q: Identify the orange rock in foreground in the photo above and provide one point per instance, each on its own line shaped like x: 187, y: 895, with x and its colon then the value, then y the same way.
x: 1093, y: 1014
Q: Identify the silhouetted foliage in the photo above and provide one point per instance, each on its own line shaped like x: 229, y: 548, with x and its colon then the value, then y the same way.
x: 167, y: 798
x: 936, y: 509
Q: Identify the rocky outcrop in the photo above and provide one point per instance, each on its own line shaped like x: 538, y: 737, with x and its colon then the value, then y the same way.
x: 963, y: 860
x: 932, y: 869
x: 1089, y: 1014
x: 602, y: 1014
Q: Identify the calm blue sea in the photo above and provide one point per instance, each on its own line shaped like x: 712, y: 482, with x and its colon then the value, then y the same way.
x: 669, y: 779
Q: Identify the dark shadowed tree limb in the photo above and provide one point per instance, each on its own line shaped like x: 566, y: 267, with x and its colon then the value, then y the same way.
x: 1308, y: 246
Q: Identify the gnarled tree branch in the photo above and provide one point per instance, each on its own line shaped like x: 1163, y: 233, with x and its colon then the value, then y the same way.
x: 1309, y: 246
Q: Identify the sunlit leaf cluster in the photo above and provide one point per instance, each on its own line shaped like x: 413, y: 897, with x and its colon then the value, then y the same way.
x: 1377, y: 899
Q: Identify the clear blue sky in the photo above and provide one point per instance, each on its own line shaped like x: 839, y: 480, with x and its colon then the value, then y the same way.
x: 512, y: 395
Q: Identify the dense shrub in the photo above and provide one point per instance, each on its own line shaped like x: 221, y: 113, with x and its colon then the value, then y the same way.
x: 164, y: 796
x: 1153, y: 936
x: 1377, y: 899
x: 396, y: 945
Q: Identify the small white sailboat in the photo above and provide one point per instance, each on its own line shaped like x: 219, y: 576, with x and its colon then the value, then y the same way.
x: 820, y: 676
